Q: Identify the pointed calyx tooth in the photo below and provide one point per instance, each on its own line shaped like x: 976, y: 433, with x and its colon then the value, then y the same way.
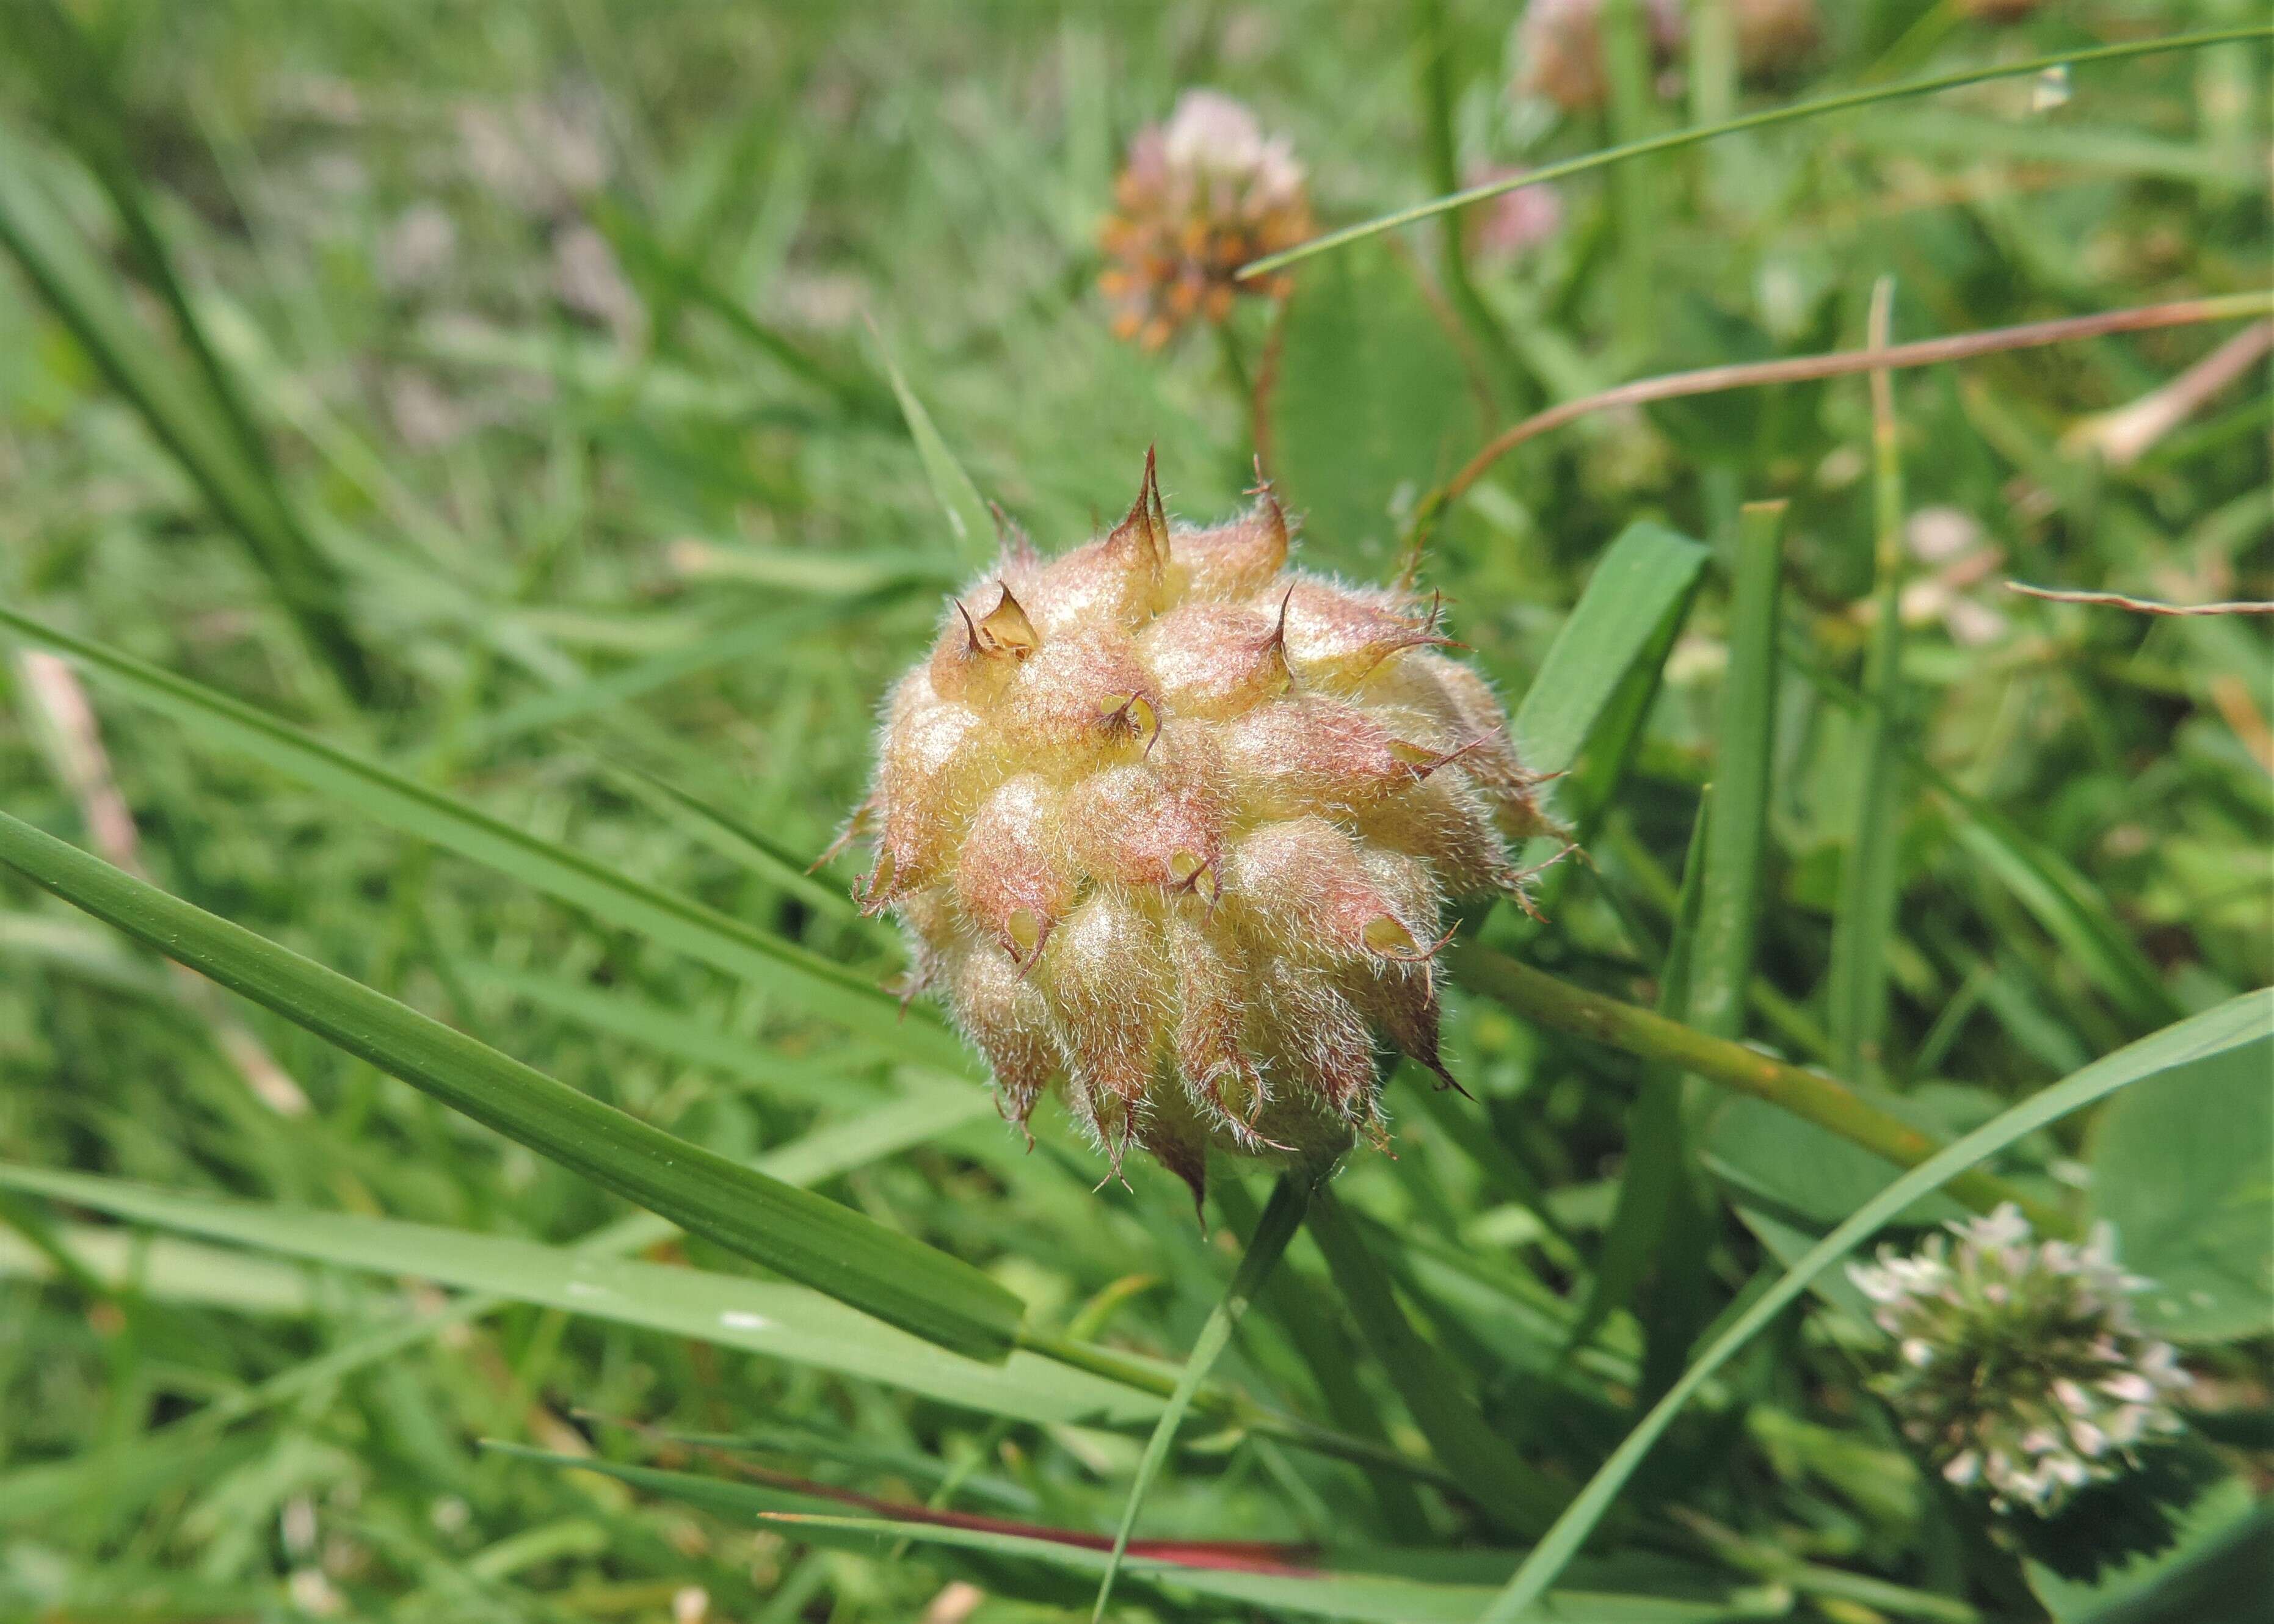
x: 1215, y: 660
x: 1117, y: 580
x: 1079, y: 695
x: 1130, y: 826
x: 1234, y: 560
x: 1405, y: 1007
x: 1337, y: 636
x: 1014, y: 881
x: 1005, y: 632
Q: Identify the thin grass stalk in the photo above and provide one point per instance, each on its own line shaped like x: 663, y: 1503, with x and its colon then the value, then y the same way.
x: 1836, y: 364
x: 1668, y: 140
x: 1869, y: 882
x: 1628, y: 1027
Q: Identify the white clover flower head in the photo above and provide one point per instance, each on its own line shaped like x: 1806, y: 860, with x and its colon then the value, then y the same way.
x: 2020, y: 1369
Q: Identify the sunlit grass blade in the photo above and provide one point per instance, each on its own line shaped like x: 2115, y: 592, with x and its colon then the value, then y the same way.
x: 1282, y: 1217
x: 815, y: 984
x: 810, y: 1239
x: 789, y: 1323
x: 969, y: 522
x: 178, y: 408
x: 1816, y: 108
x: 1857, y: 980
x: 1489, y: 1470
x: 2239, y: 1032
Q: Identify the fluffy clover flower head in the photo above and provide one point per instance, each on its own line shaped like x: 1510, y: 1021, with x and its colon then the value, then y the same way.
x: 1176, y: 824
x: 2020, y: 1368
x: 1202, y: 195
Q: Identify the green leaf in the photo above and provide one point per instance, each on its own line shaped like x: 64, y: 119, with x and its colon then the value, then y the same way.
x: 2184, y: 1169
x: 2223, y: 1552
x: 784, y: 1322
x: 1654, y: 1150
x: 1869, y: 880
x: 1370, y: 403
x: 815, y: 984
x: 2242, y: 1026
x: 804, y: 1236
x: 1737, y: 840
x: 1281, y: 1219
x: 968, y: 522
x: 1639, y: 591
x: 1489, y: 1471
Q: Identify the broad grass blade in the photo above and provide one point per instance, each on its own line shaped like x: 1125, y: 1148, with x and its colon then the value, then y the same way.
x: 778, y: 1321
x: 827, y: 989
x: 1867, y: 881
x: 806, y: 1237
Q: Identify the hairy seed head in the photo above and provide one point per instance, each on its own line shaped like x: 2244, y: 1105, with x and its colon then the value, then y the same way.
x: 1176, y: 824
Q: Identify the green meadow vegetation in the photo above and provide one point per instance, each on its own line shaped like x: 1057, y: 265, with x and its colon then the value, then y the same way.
x: 469, y: 476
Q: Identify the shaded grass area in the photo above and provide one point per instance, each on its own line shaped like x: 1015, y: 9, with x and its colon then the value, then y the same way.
x: 531, y: 368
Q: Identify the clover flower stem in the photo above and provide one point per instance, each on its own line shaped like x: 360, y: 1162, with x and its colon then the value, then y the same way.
x: 1807, y: 1094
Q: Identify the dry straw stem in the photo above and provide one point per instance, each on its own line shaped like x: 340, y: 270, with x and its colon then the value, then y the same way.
x: 1666, y: 141
x: 1845, y: 362
x: 2138, y: 605
x: 1636, y: 1031
x: 74, y: 740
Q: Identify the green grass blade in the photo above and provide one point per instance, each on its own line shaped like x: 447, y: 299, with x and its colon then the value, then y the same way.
x: 968, y: 522
x: 1736, y: 842
x: 1361, y: 1597
x: 1644, y: 578
x: 1282, y: 1217
x: 1671, y: 140
x: 1654, y: 1157
x: 1489, y: 1471
x: 806, y: 1237
x: 730, y: 837
x: 819, y: 985
x: 2226, y: 1030
x: 1379, y: 1595
x: 789, y: 1323
x: 177, y: 408
x: 1869, y: 881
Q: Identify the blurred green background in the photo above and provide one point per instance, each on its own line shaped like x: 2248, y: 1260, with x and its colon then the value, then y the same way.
x: 553, y: 317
